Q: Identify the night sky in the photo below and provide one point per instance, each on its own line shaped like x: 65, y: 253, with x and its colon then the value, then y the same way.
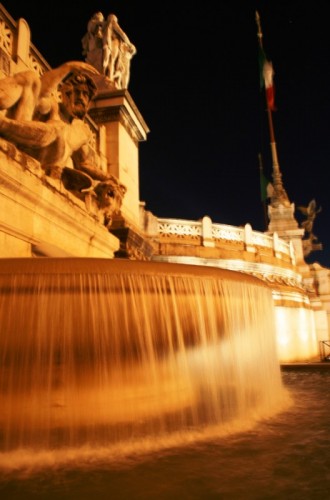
x: 195, y: 80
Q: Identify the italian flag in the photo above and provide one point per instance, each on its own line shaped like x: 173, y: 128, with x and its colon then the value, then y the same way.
x: 266, y: 79
x: 268, y: 73
x: 266, y: 187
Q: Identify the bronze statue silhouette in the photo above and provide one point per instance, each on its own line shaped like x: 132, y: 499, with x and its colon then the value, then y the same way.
x: 311, y: 212
x: 310, y: 243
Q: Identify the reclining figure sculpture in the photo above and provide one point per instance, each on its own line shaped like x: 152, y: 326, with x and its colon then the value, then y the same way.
x: 54, y: 131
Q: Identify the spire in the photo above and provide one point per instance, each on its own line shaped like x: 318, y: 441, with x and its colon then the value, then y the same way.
x: 279, y: 196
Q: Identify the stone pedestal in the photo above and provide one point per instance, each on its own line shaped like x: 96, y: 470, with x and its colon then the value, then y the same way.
x: 133, y: 244
x: 283, y: 222
x: 38, y: 216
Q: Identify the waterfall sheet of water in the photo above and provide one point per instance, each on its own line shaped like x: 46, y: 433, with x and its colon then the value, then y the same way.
x: 98, y: 353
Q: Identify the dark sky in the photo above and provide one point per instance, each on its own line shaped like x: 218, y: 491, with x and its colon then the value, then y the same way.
x: 195, y: 80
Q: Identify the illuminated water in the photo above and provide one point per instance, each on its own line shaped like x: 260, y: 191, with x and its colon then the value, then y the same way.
x: 103, y: 353
x: 281, y: 458
x: 109, y: 368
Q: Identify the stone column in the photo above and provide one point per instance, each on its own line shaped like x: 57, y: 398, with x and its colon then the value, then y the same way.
x: 125, y: 128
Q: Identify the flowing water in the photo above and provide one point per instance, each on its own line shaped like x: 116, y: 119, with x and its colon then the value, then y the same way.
x: 136, y: 380
x: 283, y: 457
x: 113, y: 353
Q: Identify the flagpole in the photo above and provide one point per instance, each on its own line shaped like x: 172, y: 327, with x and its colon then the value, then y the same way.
x: 264, y: 204
x: 279, y: 195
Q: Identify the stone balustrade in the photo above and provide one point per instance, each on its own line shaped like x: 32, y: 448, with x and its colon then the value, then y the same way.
x: 208, y: 234
x: 17, y: 53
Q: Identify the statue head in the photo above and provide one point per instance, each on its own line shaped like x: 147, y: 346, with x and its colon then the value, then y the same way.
x: 112, y: 17
x: 98, y: 17
x: 109, y: 195
x: 77, y: 90
x: 95, y: 25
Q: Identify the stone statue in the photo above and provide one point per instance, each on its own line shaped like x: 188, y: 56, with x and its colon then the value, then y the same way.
x: 122, y: 73
x: 92, y: 42
x: 55, y: 133
x: 26, y: 93
x: 107, y: 194
x: 48, y: 130
x: 107, y: 47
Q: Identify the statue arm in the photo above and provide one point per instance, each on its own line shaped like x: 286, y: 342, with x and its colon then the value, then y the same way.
x: 85, y: 160
x: 51, y: 79
x: 27, y: 133
x: 120, y: 33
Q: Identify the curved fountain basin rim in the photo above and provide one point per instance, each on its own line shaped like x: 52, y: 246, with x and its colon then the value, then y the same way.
x: 93, y: 265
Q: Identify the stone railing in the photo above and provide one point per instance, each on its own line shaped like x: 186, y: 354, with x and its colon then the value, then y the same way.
x: 208, y: 234
x: 17, y: 53
x: 179, y: 227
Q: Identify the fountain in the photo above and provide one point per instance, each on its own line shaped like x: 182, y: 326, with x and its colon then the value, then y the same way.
x: 100, y: 352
